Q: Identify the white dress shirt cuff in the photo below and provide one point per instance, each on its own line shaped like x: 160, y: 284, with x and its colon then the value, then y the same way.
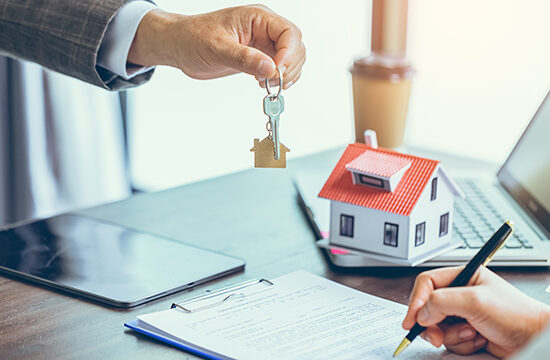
x: 114, y: 49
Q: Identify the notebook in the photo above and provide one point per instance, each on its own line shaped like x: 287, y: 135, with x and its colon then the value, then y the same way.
x: 295, y: 316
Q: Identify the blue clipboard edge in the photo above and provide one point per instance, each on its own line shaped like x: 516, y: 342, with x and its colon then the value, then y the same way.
x: 135, y: 326
x: 151, y: 331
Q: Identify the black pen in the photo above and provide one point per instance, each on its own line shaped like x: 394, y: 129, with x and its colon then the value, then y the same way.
x: 483, y: 256
x: 307, y: 212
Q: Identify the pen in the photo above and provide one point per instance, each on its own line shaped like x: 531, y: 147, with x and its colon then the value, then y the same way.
x: 483, y: 256
x: 307, y: 212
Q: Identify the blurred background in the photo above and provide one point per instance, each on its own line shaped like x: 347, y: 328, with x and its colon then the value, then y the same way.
x: 481, y: 72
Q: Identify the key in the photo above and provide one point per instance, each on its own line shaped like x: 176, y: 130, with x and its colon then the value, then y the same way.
x: 273, y: 107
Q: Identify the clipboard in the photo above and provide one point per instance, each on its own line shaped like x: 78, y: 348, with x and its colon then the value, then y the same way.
x: 298, y: 315
x: 199, y: 303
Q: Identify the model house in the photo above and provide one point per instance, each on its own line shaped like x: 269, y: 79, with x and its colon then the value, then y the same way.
x: 264, y: 156
x: 389, y: 203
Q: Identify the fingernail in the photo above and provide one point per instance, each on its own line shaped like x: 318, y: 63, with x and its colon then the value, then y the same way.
x: 283, y: 69
x: 289, y: 84
x: 466, y: 334
x: 266, y: 67
x: 423, y: 315
x: 480, y: 341
x: 261, y: 79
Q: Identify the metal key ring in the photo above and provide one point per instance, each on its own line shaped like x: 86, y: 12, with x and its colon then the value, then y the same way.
x: 280, y: 84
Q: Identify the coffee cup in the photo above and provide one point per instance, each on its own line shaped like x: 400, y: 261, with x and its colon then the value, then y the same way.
x: 381, y: 91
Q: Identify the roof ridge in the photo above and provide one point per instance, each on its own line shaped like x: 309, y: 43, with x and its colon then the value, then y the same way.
x: 391, y: 152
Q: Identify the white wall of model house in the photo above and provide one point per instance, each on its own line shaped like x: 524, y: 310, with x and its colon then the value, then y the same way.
x: 368, y: 229
x: 369, y: 224
x: 430, y: 212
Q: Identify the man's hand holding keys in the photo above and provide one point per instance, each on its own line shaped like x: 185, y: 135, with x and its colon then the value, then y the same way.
x: 250, y: 39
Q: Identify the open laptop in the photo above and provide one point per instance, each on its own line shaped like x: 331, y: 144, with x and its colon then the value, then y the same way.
x: 520, y: 192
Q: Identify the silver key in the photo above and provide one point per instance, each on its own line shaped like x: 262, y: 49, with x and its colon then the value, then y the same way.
x: 274, y: 105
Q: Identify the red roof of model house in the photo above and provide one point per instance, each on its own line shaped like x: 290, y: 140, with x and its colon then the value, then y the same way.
x: 401, y: 201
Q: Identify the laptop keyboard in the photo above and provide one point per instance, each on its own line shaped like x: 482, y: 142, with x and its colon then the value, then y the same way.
x: 476, y: 219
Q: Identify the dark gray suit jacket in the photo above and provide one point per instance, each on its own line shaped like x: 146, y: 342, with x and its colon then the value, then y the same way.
x: 62, y: 35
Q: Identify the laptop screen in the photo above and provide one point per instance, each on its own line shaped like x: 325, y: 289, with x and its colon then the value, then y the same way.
x: 526, y: 172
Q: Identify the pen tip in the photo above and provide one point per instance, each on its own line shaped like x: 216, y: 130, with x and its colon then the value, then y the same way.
x: 401, y: 347
x: 510, y: 223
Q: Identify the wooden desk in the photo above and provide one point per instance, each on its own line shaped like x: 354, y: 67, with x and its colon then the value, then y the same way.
x: 252, y: 214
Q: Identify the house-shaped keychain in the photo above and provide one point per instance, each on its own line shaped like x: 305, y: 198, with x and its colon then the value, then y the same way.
x: 394, y: 205
x: 264, y: 157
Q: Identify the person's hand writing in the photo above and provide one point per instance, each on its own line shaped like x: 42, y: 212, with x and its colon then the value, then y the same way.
x: 249, y: 39
x: 497, y: 316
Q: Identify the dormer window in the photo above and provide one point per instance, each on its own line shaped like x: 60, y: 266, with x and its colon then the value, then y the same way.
x: 378, y: 169
x: 370, y: 180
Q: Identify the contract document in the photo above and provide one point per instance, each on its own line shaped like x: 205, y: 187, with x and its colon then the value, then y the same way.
x: 295, y: 316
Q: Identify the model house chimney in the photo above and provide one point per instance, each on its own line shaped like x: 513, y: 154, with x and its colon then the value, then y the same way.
x: 370, y: 138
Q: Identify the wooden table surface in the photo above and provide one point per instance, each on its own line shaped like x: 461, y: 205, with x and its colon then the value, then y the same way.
x: 251, y: 214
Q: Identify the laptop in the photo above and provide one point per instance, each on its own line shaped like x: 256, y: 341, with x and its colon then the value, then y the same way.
x: 520, y: 191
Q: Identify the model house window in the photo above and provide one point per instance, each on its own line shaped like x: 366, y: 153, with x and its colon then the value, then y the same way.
x: 346, y: 225
x: 420, y: 234
x: 434, y: 189
x: 371, y: 181
x: 390, y: 234
x: 443, y: 224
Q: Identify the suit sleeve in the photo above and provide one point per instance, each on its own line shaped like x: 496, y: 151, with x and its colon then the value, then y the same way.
x: 64, y: 36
